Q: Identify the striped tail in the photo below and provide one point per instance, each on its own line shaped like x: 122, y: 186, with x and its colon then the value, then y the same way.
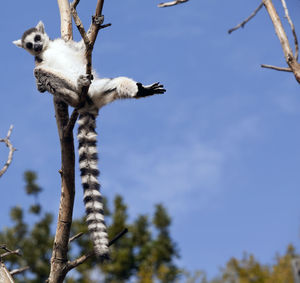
x: 88, y: 160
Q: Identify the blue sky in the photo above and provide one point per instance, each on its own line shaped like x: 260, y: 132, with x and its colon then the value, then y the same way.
x: 220, y: 149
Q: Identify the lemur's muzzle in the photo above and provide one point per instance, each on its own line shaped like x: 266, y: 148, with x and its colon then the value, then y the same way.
x: 37, y: 47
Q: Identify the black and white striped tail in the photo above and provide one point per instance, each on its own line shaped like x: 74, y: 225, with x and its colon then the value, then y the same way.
x: 88, y: 163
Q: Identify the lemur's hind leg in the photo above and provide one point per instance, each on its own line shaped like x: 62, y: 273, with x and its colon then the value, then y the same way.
x: 51, y: 81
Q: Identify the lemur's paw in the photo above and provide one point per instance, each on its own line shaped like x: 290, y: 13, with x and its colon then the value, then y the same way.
x: 155, y: 88
x: 40, y: 87
x: 84, y: 80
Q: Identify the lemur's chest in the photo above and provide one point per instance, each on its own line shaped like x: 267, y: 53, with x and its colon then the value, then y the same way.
x: 63, y: 59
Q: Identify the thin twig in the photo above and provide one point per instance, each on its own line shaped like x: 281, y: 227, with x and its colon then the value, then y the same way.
x: 171, y: 3
x: 286, y: 11
x: 75, y: 237
x: 18, y: 270
x: 283, y: 69
x: 79, y: 261
x: 82, y: 259
x: 117, y: 237
x: 242, y: 24
x: 6, y: 140
x: 9, y: 252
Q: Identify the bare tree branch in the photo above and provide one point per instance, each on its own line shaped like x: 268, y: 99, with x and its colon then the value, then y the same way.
x: 4, y: 274
x: 72, y: 121
x: 89, y: 38
x: 242, y: 24
x: 15, y: 252
x: 171, y: 3
x: 286, y: 11
x: 18, y: 270
x: 65, y: 20
x: 61, y: 240
x: 75, y: 237
x: 6, y: 140
x: 65, y: 124
x: 82, y: 259
x: 276, y: 68
x: 288, y: 53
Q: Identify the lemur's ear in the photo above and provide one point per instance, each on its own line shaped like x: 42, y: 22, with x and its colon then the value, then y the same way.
x: 40, y: 27
x: 18, y: 43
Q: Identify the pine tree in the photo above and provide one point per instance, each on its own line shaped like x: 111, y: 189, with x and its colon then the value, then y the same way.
x: 136, y: 255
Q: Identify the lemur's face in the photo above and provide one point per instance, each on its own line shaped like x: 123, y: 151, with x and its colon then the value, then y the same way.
x: 34, y: 40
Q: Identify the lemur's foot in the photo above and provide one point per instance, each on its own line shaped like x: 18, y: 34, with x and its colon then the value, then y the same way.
x: 84, y: 80
x: 155, y: 88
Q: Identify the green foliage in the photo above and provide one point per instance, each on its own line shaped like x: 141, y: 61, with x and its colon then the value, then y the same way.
x: 138, y: 254
x: 31, y: 187
x: 35, y: 242
x: 144, y: 255
x: 249, y: 270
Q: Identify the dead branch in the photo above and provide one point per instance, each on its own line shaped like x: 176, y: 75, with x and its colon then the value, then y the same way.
x: 82, y: 259
x: 5, y: 275
x: 8, y: 143
x: 72, y: 121
x: 65, y: 124
x: 283, y: 69
x: 171, y: 3
x: 286, y: 11
x: 89, y: 38
x: 65, y: 20
x: 61, y: 240
x: 75, y: 237
x: 9, y: 252
x: 280, y: 32
x: 18, y: 270
x: 242, y: 24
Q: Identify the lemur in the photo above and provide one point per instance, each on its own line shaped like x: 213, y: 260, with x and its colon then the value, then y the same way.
x: 59, y: 69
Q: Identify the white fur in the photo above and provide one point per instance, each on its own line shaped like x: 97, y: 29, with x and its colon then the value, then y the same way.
x: 92, y: 149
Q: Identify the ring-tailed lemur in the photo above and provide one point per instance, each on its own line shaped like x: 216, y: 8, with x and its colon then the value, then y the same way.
x: 59, y: 70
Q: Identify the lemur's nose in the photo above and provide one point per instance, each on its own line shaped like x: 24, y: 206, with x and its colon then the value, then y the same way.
x: 38, y: 47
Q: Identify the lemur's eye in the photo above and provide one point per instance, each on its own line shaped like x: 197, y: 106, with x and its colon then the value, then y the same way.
x: 37, y: 38
x: 29, y: 45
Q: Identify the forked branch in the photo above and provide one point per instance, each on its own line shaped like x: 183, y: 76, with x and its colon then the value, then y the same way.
x: 89, y: 39
x: 286, y: 11
x: 171, y: 3
x: 8, y: 143
x: 280, y: 32
x: 290, y: 58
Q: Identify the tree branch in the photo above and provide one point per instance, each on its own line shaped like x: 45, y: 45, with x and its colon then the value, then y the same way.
x: 286, y: 11
x: 276, y: 68
x: 5, y: 275
x: 6, y: 140
x: 60, y: 245
x: 171, y: 3
x: 18, y: 270
x: 242, y: 24
x: 82, y: 259
x: 59, y: 260
x: 288, y: 53
x: 89, y: 39
x: 75, y: 237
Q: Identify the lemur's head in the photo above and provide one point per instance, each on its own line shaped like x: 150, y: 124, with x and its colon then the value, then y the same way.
x: 34, y: 40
